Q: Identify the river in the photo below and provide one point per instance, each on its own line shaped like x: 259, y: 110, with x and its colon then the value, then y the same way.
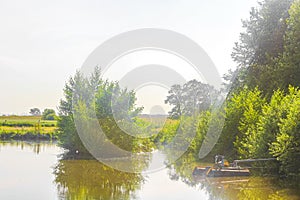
x: 31, y: 170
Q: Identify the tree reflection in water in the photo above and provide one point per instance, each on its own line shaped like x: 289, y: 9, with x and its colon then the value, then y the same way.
x: 36, y: 146
x: 90, y: 179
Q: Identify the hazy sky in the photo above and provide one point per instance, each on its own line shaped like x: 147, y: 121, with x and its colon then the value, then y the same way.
x: 42, y: 43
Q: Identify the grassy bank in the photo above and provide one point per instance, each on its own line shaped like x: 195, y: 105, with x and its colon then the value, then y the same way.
x: 27, y: 127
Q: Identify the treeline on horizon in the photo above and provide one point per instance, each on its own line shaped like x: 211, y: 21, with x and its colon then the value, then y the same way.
x: 261, y: 111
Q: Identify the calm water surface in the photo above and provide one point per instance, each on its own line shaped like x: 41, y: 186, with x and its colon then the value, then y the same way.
x: 31, y: 170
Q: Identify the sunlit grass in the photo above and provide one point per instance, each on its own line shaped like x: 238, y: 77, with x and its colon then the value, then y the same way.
x: 22, y: 126
x: 22, y: 121
x: 24, y: 130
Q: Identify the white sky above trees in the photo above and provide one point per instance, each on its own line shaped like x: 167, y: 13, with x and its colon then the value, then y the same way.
x: 42, y: 43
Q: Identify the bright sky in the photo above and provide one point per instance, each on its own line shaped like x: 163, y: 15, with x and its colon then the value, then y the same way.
x: 42, y: 43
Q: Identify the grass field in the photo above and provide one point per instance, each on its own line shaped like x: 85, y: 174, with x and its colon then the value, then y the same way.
x: 28, y: 121
x: 27, y: 127
x: 33, y: 127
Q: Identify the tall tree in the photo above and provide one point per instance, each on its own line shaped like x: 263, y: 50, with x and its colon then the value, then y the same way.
x: 289, y: 64
x: 68, y: 137
x: 175, y: 98
x: 191, y: 98
x: 261, y: 43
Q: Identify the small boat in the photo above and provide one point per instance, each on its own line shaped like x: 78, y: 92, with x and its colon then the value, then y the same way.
x: 223, y: 172
x: 221, y: 168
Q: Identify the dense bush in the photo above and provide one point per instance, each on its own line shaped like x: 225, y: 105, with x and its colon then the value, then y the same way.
x: 85, y: 95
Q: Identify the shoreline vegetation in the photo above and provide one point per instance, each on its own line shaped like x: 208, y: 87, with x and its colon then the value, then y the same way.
x: 27, y: 128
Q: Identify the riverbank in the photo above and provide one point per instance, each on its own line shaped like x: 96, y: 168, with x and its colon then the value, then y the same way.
x: 27, y: 128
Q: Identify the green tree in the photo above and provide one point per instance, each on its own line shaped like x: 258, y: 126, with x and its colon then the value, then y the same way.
x: 264, y: 33
x: 261, y: 44
x: 48, y: 114
x: 202, y: 125
x: 286, y: 147
x: 191, y: 98
x: 267, y: 125
x: 112, y: 105
x: 241, y: 113
x: 68, y: 137
x: 175, y: 98
x: 289, y: 64
x: 245, y: 142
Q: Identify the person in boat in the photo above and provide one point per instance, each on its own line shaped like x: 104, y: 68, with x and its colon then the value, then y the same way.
x: 220, y: 162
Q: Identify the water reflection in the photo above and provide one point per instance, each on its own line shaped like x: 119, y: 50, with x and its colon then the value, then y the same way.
x: 248, y: 188
x: 26, y: 170
x: 36, y: 146
x: 35, y: 172
x: 232, y: 187
x: 89, y: 179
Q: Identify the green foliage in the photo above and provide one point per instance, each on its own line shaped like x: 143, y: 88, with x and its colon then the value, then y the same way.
x: 289, y: 64
x: 68, y: 137
x: 262, y: 108
x: 27, y: 127
x: 103, y: 102
x: 255, y: 128
x: 241, y: 114
x: 264, y: 33
x: 25, y: 121
x: 167, y: 133
x: 245, y: 143
x: 267, y: 125
x: 268, y: 52
x: 48, y: 114
x: 202, y: 123
x: 286, y: 147
x: 208, y: 125
x: 187, y: 134
x: 261, y: 45
x: 191, y: 98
